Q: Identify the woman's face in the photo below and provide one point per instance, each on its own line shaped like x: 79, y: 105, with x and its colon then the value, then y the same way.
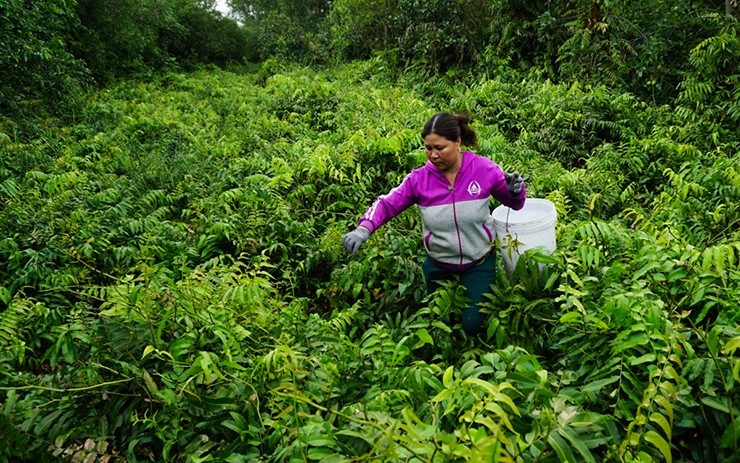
x: 443, y: 153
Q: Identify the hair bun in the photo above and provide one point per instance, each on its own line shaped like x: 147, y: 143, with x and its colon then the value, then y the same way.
x: 464, y: 118
x: 451, y: 127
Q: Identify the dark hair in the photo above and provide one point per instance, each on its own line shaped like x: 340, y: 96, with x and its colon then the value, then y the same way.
x: 451, y: 127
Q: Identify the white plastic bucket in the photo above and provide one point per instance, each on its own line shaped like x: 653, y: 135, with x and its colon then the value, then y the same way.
x: 530, y: 227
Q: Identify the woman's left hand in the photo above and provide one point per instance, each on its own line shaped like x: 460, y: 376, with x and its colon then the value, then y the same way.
x: 515, y: 182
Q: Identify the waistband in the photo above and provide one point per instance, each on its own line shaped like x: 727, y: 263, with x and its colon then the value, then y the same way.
x: 458, y: 268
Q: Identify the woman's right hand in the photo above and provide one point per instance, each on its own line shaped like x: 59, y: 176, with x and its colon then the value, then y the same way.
x: 354, y: 239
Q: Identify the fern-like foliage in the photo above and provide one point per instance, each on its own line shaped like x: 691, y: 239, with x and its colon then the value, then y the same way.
x: 14, y: 321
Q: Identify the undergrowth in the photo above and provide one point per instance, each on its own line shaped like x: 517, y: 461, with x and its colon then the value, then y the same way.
x: 173, y: 287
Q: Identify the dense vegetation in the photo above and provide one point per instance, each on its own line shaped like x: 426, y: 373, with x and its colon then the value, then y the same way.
x: 53, y: 52
x: 172, y: 285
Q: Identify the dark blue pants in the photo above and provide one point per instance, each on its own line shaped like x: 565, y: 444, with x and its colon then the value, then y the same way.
x: 477, y: 281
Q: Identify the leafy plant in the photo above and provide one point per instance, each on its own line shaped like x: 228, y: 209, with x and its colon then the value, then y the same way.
x: 174, y: 288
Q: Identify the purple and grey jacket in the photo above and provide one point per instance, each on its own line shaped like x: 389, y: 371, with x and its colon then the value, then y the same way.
x: 456, y: 222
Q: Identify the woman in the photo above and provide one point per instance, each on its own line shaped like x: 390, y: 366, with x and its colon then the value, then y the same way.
x: 453, y: 191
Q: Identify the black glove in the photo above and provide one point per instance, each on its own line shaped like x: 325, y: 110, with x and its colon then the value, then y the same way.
x: 354, y: 239
x: 514, y: 181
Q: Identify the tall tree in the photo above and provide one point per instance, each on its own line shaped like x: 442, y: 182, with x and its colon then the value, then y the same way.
x: 361, y: 27
x: 35, y: 58
x: 290, y: 29
x: 294, y: 9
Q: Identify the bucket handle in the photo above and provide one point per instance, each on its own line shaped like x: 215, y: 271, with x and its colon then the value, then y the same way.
x: 508, y: 209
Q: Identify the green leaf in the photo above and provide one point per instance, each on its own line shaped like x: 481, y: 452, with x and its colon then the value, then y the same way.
x: 661, y: 421
x: 713, y: 340
x: 424, y: 337
x: 149, y: 382
x: 447, y: 377
x: 659, y: 443
x: 321, y: 441
x: 320, y: 453
x: 731, y: 437
x: 637, y: 339
x: 596, y: 386
x: 69, y: 351
x: 565, y: 453
x: 571, y: 317
x: 356, y: 289
x: 651, y: 357
x: 667, y: 406
x: 147, y: 350
x: 48, y: 421
x: 576, y: 442
x: 439, y: 324
x: 716, y: 404
x: 551, y: 281
x: 731, y: 346
x: 5, y: 295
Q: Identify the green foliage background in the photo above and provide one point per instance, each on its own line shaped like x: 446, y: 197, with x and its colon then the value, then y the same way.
x: 172, y: 285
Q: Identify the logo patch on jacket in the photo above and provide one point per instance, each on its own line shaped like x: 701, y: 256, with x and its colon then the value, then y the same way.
x: 473, y: 188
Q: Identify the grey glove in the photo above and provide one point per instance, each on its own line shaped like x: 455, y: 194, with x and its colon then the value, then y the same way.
x: 354, y: 239
x: 515, y: 182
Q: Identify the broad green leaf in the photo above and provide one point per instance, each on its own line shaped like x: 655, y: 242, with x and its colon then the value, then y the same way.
x: 565, y: 453
x: 69, y: 351
x: 552, y: 280
x: 495, y: 392
x: 472, y: 368
x: 363, y: 436
x: 417, y: 428
x: 321, y: 441
x: 677, y: 274
x: 575, y: 439
x: 424, y: 337
x: 596, y: 386
x: 47, y: 421
x: 443, y: 395
x: 731, y: 346
x: 636, y: 339
x: 5, y: 295
x: 571, y: 317
x: 447, y: 377
x: 501, y: 413
x: 713, y: 340
x: 731, y: 437
x: 322, y: 454
x: 489, y: 424
x: 528, y: 379
x: 661, y: 421
x: 147, y: 350
x: 439, y: 324
x: 149, y: 382
x: 715, y: 403
x: 659, y: 443
x: 651, y: 357
x: 485, y: 385
x: 666, y: 404
x: 586, y: 419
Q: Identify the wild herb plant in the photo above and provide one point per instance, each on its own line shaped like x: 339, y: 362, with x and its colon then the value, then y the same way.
x: 173, y: 286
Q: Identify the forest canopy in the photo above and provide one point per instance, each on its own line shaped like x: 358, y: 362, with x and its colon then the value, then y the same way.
x: 52, y: 50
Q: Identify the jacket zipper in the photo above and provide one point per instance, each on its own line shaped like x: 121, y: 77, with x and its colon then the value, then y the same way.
x: 457, y: 228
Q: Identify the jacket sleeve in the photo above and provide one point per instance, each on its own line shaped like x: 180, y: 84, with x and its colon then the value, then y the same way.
x: 390, y: 205
x: 500, y: 190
